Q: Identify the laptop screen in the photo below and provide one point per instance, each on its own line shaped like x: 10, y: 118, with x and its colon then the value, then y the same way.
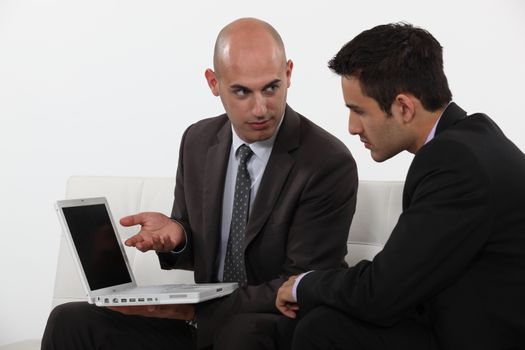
x: 97, y: 246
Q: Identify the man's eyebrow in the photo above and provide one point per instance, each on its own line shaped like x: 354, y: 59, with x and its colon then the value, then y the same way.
x: 351, y: 106
x: 272, y: 83
x: 239, y: 87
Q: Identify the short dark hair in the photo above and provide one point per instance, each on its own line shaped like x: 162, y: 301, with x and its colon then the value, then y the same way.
x: 394, y: 58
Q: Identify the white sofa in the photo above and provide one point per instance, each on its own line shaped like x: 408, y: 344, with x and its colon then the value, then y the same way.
x: 378, y: 208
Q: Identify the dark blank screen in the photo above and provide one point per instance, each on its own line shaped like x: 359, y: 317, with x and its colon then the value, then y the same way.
x: 97, y: 246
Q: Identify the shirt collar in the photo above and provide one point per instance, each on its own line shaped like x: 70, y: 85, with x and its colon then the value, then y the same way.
x: 432, y: 132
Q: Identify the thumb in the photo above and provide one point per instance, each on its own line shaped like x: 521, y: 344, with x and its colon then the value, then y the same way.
x: 132, y: 220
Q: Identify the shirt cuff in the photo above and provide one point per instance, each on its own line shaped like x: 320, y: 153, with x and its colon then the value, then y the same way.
x: 177, y: 250
x: 296, y: 284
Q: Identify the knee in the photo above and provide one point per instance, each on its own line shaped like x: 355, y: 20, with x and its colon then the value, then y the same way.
x: 59, y: 324
x: 61, y: 315
x: 317, y: 328
x: 233, y: 334
x: 69, y: 317
x: 246, y: 331
x: 306, y: 334
x: 312, y: 322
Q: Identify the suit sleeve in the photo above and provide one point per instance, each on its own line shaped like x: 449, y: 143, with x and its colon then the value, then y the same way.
x: 184, y: 259
x: 316, y: 239
x: 445, y: 224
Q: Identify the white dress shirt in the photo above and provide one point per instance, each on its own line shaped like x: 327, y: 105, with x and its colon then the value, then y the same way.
x: 256, y: 166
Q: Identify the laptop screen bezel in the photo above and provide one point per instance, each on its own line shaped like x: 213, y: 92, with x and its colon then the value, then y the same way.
x: 92, y: 293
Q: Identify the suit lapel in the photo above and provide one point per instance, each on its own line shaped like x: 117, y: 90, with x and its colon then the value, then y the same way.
x: 214, y: 175
x: 275, y: 174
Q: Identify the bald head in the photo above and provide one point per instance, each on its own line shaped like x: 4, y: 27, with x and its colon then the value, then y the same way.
x: 247, y: 37
x: 251, y: 76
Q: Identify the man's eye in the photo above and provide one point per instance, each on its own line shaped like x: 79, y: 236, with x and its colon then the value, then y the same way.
x: 270, y: 89
x: 240, y: 92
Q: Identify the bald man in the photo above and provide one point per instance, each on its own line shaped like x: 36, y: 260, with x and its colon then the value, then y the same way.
x: 302, y: 193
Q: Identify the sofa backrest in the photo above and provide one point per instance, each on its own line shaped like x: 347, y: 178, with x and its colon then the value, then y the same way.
x: 378, y: 208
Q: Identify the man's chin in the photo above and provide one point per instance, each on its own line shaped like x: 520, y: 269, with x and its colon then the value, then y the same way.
x: 379, y: 158
x: 263, y: 134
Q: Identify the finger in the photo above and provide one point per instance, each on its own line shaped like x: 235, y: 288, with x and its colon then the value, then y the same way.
x: 290, y: 314
x: 162, y: 243
x: 114, y: 308
x: 132, y: 220
x: 151, y: 308
x: 141, y: 242
x: 144, y: 246
x: 157, y: 243
x: 133, y: 240
x: 286, y: 311
x: 127, y: 310
x: 185, y: 312
x: 292, y: 307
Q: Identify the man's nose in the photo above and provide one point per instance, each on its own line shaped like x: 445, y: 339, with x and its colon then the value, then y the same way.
x: 259, y: 105
x: 354, y: 124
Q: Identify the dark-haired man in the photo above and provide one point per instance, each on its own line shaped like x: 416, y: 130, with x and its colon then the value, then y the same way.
x: 451, y: 275
x: 299, y: 188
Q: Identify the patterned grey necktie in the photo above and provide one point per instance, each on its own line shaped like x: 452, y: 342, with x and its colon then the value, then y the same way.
x: 234, y: 270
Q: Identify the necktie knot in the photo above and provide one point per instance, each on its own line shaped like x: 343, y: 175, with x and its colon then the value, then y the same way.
x: 245, y: 152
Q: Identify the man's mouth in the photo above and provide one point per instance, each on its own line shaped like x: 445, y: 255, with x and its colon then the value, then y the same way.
x: 260, y: 124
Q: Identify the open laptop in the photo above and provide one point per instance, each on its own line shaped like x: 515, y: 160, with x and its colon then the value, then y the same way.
x: 103, y: 265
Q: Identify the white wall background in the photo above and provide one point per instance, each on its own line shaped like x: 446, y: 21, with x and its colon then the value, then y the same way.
x: 106, y: 87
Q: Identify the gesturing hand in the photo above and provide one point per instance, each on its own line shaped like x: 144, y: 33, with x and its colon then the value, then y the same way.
x: 158, y: 232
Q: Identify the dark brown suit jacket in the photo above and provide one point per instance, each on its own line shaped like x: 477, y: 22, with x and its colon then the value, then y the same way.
x: 457, y: 254
x: 299, y: 221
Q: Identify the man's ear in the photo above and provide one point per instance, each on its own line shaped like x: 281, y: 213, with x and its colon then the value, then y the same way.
x: 289, y: 68
x: 404, y: 107
x: 213, y: 82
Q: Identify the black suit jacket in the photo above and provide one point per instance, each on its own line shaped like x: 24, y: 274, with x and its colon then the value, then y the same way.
x: 457, y: 253
x: 299, y: 221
